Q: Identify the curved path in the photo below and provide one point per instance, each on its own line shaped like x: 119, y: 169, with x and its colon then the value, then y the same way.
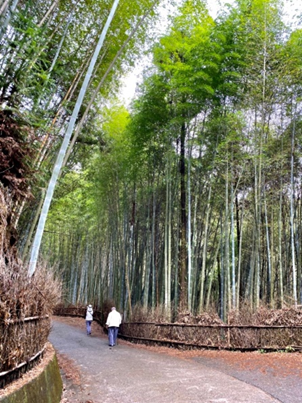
x: 126, y: 374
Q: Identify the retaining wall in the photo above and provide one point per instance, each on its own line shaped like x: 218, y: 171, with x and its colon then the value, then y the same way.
x: 46, y: 387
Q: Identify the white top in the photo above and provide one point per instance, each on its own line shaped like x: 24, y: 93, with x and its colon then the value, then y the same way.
x: 89, y: 314
x: 114, y: 319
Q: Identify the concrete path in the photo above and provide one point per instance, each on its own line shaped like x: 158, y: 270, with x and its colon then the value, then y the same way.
x: 126, y: 374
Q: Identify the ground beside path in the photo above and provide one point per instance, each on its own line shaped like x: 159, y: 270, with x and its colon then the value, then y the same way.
x: 94, y: 373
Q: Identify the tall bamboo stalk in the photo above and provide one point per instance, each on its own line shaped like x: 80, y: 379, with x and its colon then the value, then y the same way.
x: 59, y: 162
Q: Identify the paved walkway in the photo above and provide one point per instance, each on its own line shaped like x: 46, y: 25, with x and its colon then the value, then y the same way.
x: 126, y: 374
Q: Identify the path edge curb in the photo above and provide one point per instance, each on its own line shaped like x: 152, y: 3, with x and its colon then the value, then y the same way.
x: 47, y: 387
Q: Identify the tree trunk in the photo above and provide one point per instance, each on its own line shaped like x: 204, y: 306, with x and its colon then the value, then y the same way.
x: 49, y: 11
x: 96, y: 91
x: 292, y: 224
x: 58, y: 165
x: 183, y: 258
x: 205, y: 247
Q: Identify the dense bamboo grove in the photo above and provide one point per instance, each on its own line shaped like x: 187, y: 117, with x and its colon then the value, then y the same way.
x: 47, y: 49
x: 192, y: 198
x: 195, y: 200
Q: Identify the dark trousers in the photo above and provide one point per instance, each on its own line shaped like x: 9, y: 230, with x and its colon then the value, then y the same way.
x: 112, y: 335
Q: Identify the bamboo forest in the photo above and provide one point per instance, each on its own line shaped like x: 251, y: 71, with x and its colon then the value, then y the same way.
x: 188, y: 196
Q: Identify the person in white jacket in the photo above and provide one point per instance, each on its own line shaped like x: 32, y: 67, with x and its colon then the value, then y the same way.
x: 89, y: 319
x: 114, y: 320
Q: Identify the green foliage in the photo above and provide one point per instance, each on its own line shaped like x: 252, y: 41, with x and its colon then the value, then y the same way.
x: 147, y: 129
x: 292, y: 56
x: 189, y: 58
x: 221, y: 103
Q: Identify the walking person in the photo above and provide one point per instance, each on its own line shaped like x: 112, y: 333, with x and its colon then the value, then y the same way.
x: 113, y: 322
x: 89, y: 319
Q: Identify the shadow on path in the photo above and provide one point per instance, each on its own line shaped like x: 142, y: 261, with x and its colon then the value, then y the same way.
x: 94, y: 373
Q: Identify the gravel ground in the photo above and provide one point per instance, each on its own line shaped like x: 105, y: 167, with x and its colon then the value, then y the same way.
x: 93, y: 373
